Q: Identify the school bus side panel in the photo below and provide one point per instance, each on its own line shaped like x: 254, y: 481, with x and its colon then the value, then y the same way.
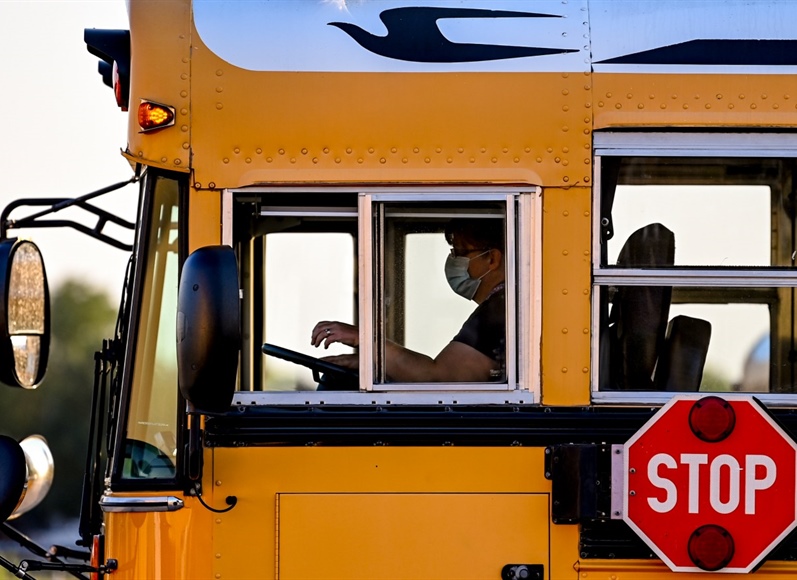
x: 344, y: 512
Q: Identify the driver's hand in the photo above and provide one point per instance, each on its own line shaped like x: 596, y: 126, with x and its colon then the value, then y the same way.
x: 348, y: 361
x: 327, y: 332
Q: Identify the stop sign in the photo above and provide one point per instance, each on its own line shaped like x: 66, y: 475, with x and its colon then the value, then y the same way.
x: 710, y: 476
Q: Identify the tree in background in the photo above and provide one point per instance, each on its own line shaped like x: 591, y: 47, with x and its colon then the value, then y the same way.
x: 60, y: 409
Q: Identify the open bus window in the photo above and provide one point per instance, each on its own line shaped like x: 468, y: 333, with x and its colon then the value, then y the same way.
x: 693, y: 276
x: 369, y: 281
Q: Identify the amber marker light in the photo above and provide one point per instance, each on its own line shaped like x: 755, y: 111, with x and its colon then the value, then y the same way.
x: 152, y: 116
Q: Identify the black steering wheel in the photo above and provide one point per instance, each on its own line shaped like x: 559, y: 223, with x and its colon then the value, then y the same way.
x: 330, y: 377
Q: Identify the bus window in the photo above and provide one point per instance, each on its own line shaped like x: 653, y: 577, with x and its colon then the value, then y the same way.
x: 693, y: 286
x: 406, y: 292
x: 151, y: 441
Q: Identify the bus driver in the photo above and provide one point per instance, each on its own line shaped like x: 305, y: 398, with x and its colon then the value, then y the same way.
x: 474, y: 270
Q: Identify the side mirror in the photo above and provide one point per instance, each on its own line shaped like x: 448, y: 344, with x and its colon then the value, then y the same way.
x: 208, y: 328
x: 26, y: 474
x: 24, y: 314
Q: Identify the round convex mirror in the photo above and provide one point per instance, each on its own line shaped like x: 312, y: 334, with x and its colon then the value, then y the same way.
x: 25, y: 320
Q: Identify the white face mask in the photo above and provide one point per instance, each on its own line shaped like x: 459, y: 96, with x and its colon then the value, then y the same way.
x: 458, y: 277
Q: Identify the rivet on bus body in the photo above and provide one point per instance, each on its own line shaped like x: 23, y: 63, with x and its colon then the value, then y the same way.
x: 618, y: 106
x: 452, y: 161
x: 218, y: 556
x: 565, y: 149
x: 197, y: 185
x: 183, y: 93
x: 219, y: 89
x: 517, y: 159
x: 550, y: 149
x: 608, y: 95
x: 219, y: 72
x: 494, y: 160
x: 184, y: 60
x: 565, y: 92
x: 370, y: 150
x: 218, y: 520
x: 427, y: 160
x: 587, y: 161
x: 753, y: 106
x: 269, y: 160
x: 600, y: 104
x: 237, y: 150
x: 348, y: 150
x: 177, y: 161
x: 587, y: 87
x: 651, y: 96
x: 186, y: 145
x: 218, y: 575
x: 226, y: 160
x: 586, y: 179
x: 719, y: 96
x: 730, y: 105
x: 565, y: 75
x: 459, y: 150
x: 505, y: 150
x: 337, y: 159
x: 404, y: 160
x: 539, y: 159
x: 764, y: 96
x: 218, y: 482
x: 629, y: 96
x: 183, y: 111
x: 565, y: 163
x: 484, y: 150
x: 304, y: 151
x: 473, y: 160
x: 248, y: 160
x: 383, y: 160
x: 786, y: 97
x: 587, y: 105
x: 586, y: 213
x: 564, y: 291
x: 293, y: 160
x: 565, y: 253
x: 416, y: 150
x: 674, y: 96
x: 315, y: 160
x: 586, y: 291
x: 439, y: 150
x: 258, y: 151
x: 281, y: 151
x: 394, y: 150
x: 557, y: 159
x: 564, y: 369
x: 585, y: 370
x: 741, y: 97
x: 640, y: 106
x: 776, y: 106
x: 565, y: 129
x: 586, y: 331
x: 184, y: 76
x: 686, y: 106
x: 587, y: 131
x: 359, y: 160
x: 163, y: 160
x: 212, y: 185
x: 219, y: 106
x: 184, y: 128
x: 565, y: 108
x: 565, y: 179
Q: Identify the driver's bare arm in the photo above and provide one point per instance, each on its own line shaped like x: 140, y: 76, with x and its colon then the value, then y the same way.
x: 329, y: 332
x: 457, y: 362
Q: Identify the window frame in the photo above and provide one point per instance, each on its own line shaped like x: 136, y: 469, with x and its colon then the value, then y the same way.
x: 680, y: 145
x: 523, y: 299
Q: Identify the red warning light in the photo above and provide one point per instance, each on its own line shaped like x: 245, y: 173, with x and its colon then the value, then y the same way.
x: 711, y: 547
x: 712, y: 419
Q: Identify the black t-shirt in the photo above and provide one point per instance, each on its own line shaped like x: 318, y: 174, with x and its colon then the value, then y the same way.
x: 485, y: 330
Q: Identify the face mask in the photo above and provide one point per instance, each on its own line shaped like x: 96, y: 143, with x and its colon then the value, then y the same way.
x: 458, y: 277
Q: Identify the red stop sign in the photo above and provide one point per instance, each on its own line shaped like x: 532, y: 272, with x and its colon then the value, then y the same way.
x: 679, y: 481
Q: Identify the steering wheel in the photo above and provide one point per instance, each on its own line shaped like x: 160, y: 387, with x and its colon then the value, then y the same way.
x: 330, y: 377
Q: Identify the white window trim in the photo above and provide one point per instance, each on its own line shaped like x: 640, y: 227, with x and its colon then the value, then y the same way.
x: 662, y: 144
x: 524, y: 295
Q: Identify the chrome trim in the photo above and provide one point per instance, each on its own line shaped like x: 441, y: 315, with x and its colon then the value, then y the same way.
x: 618, y: 482
x: 697, y: 277
x: 114, y: 504
x: 663, y: 144
x: 226, y: 217
x: 651, y: 398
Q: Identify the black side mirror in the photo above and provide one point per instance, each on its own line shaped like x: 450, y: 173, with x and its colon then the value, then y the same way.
x: 24, y: 314
x: 208, y: 328
x: 12, y: 476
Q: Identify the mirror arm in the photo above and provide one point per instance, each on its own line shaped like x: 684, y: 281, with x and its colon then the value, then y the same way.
x: 16, y: 536
x: 58, y: 203
x: 15, y: 570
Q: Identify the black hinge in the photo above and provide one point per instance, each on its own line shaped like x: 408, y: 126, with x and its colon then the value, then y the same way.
x: 523, y: 572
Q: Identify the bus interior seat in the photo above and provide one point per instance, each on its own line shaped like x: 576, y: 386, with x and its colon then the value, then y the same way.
x: 639, y: 314
x: 645, y: 352
x: 680, y: 366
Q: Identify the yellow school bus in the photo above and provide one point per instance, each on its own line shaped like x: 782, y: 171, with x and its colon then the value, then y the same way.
x: 296, y: 390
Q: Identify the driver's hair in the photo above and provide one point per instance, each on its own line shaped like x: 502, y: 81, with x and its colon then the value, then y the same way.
x: 487, y: 233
